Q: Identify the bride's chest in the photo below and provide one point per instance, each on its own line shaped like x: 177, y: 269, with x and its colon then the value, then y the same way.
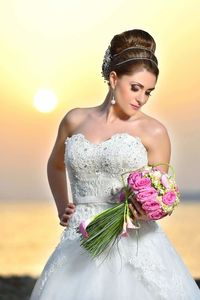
x: 119, y: 153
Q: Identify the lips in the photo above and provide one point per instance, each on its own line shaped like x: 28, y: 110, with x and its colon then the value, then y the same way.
x: 135, y: 106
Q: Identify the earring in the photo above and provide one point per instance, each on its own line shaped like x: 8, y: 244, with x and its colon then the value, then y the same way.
x: 113, y: 101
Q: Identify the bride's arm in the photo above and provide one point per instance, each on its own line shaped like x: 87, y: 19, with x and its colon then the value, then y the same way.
x: 159, y: 151
x: 57, y: 174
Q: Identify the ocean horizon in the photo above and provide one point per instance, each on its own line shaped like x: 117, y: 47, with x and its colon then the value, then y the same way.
x: 185, y: 196
x: 30, y: 231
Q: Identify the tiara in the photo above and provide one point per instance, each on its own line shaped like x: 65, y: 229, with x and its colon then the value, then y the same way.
x: 137, y: 58
x: 134, y: 47
x: 108, y: 58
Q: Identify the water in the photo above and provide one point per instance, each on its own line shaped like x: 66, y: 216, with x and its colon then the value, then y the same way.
x: 30, y: 232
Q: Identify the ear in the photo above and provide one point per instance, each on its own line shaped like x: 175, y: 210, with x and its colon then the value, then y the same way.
x: 113, y: 79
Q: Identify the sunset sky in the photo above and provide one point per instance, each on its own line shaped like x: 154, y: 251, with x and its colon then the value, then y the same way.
x: 59, y: 45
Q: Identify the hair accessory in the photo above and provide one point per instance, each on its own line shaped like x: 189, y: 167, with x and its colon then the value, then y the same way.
x: 113, y: 101
x: 106, y: 63
x: 108, y: 58
x: 137, y: 58
x: 134, y: 47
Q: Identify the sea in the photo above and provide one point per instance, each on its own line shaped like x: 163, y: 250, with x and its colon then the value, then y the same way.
x: 30, y: 231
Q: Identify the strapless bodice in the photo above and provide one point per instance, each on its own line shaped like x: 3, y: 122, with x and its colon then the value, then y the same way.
x: 95, y: 170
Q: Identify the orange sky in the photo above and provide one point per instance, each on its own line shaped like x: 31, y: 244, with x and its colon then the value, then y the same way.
x: 60, y: 45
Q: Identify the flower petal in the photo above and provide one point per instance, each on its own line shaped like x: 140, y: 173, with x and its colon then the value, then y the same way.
x: 82, y: 229
x: 83, y: 225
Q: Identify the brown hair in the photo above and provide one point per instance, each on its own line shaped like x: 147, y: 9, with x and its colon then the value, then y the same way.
x: 130, y: 51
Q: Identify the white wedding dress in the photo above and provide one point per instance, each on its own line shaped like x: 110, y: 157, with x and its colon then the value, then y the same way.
x: 151, y: 272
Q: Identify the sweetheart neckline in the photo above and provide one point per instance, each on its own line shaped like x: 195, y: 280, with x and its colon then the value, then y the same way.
x: 105, y: 141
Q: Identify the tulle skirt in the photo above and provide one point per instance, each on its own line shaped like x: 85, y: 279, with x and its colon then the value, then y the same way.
x: 138, y: 267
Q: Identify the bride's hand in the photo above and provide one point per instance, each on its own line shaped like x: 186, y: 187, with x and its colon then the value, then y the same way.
x: 137, y: 211
x: 69, y: 211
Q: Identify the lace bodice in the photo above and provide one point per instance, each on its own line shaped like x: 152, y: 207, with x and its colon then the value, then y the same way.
x: 95, y: 170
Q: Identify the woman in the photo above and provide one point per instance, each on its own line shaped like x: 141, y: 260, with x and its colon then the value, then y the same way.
x: 96, y: 145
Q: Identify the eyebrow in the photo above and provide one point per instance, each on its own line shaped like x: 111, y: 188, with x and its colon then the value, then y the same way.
x: 151, y: 89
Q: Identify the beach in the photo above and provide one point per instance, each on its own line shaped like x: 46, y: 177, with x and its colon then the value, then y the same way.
x: 30, y: 232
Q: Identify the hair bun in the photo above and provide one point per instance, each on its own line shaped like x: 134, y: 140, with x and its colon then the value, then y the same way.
x: 132, y: 38
x: 134, y: 47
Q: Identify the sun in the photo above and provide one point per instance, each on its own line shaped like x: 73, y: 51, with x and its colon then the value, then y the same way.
x: 45, y: 100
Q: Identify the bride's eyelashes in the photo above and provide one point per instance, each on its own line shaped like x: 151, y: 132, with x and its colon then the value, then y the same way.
x: 148, y: 94
x: 135, y: 88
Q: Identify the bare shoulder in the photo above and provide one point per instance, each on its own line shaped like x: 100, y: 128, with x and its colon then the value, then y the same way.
x: 153, y: 131
x: 74, y: 115
x: 156, y: 139
x: 73, y: 118
x: 155, y: 128
x: 68, y: 124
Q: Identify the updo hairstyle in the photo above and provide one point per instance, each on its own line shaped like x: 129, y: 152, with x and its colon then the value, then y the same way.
x: 128, y: 52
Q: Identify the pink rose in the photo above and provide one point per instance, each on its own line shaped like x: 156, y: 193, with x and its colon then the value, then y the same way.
x: 156, y: 215
x: 133, y: 177
x: 146, y: 194
x: 169, y: 197
x: 165, y: 181
x: 141, y: 183
x: 151, y: 205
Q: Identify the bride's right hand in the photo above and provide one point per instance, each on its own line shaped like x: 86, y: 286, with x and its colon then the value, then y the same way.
x: 69, y: 211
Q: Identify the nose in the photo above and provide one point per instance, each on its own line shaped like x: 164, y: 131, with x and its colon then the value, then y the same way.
x: 140, y: 98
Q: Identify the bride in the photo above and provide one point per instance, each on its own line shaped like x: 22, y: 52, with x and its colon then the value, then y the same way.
x: 95, y: 146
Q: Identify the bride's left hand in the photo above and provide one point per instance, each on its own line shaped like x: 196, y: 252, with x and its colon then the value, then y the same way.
x: 137, y: 211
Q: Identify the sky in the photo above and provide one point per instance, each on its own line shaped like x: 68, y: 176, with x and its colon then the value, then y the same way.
x: 59, y: 45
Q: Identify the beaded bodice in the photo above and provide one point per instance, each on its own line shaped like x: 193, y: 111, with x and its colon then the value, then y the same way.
x: 95, y: 170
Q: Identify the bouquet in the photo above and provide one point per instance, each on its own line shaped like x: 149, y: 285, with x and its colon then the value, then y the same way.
x: 155, y: 190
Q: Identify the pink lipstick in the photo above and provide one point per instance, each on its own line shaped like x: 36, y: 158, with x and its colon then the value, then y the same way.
x: 135, y: 106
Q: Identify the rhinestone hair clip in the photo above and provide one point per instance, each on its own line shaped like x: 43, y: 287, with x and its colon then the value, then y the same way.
x: 106, y: 62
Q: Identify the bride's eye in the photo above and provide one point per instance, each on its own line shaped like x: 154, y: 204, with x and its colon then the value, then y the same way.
x: 134, y: 88
x: 148, y: 94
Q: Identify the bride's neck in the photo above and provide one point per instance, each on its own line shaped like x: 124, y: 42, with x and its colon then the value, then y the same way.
x: 109, y: 112
x: 104, y: 106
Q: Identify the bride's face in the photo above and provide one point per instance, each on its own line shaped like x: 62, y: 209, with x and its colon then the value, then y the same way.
x: 131, y: 92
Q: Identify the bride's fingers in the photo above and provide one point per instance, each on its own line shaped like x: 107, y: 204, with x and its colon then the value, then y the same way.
x: 67, y: 216
x: 137, y: 215
x: 69, y: 211
x: 138, y: 207
x: 65, y: 219
x: 131, y: 208
x: 71, y: 205
x: 63, y: 223
x: 134, y: 211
